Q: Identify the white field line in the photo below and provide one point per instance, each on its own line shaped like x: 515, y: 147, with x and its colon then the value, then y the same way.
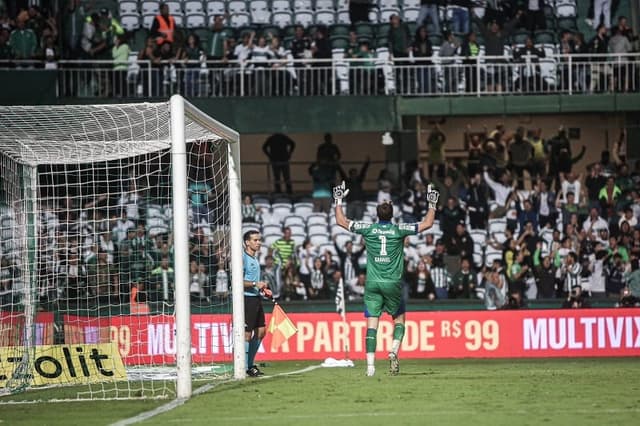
x: 178, y: 402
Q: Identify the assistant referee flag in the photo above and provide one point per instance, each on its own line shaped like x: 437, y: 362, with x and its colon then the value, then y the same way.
x: 280, y: 327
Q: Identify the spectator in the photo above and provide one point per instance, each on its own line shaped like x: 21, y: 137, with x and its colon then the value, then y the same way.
x: 292, y: 286
x: 192, y: 54
x: 614, y: 271
x: 545, y: 274
x: 627, y: 216
x: 384, y: 187
x: 449, y: 49
x: 473, y: 145
x: 429, y: 10
x: 470, y: 49
x: 420, y: 282
x: 323, y: 177
x: 164, y: 26
x: 608, y: 196
x: 409, y: 200
x: 495, y: 290
x: 249, y: 210
x: 151, y: 53
x: 357, y: 197
x: 501, y: 191
x: 451, y: 215
x: 268, y: 274
x: 520, y: 156
x: 494, y: 40
x: 278, y: 148
x: 529, y: 79
x: 72, y: 23
x: 428, y: 247
x: 461, y: 243
x: 6, y: 52
x: 283, y: 252
x: 632, y: 278
x: 601, y: 8
x: 399, y: 42
x: 440, y: 276
x: 599, y: 72
x: 306, y: 254
x: 168, y: 56
x: 120, y: 53
x: 328, y: 153
x: 594, y: 182
x: 594, y: 223
x: 476, y: 201
x: 463, y: 284
x: 318, y: 287
x: 423, y: 49
x: 349, y: 259
x: 199, y: 281
x: 571, y: 271
x: 321, y: 50
x: 622, y: 70
x: 436, y: 158
x: 545, y: 204
x: 534, y: 16
x: 23, y: 40
x: 50, y: 54
x: 571, y: 184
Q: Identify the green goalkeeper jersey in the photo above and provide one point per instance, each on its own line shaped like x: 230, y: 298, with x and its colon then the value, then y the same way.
x: 385, y: 248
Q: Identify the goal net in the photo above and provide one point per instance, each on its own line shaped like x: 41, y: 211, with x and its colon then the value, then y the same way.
x: 119, y: 235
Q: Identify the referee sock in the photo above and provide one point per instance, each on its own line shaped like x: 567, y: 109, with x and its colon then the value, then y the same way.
x: 254, y: 345
x: 398, y: 335
x: 246, y: 353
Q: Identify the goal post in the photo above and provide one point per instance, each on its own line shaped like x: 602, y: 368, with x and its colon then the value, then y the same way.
x: 114, y: 221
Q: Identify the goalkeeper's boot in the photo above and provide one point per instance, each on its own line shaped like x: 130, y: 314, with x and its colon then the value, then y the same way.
x: 371, y: 370
x: 394, y: 364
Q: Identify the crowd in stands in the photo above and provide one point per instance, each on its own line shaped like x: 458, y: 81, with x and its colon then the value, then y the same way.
x: 516, y: 222
x: 177, y: 47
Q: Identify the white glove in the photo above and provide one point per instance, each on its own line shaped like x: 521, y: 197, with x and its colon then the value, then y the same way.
x: 340, y: 192
x: 432, y: 197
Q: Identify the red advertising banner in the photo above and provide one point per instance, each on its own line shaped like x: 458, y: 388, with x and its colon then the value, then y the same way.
x: 12, y: 330
x: 444, y: 334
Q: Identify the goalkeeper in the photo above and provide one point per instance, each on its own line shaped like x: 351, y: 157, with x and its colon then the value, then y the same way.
x: 385, y: 267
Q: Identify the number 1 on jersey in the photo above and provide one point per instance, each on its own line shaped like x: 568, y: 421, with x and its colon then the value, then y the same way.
x: 383, y: 245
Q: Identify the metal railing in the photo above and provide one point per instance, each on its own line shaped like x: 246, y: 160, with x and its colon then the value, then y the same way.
x: 383, y: 75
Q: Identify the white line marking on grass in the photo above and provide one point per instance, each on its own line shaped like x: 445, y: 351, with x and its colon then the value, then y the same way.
x: 178, y: 402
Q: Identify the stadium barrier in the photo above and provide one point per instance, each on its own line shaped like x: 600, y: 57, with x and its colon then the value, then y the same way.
x: 439, y: 334
x: 382, y: 75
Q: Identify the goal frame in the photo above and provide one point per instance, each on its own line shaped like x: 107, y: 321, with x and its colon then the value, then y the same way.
x: 179, y: 109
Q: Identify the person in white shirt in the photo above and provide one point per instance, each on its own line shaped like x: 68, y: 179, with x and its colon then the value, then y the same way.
x: 570, y: 184
x: 501, y: 191
x: 629, y: 217
x: 428, y: 247
x: 243, y: 50
x: 594, y: 223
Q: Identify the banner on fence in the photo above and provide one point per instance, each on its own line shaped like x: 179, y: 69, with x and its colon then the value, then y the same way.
x: 444, y: 334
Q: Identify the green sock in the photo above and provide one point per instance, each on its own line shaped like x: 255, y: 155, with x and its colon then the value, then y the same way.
x: 370, y: 340
x: 398, y: 332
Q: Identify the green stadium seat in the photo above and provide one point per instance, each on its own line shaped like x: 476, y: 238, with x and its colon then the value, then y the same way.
x: 382, y: 30
x: 545, y: 37
x: 364, y: 29
x: 270, y: 30
x: 339, y: 30
x: 568, y: 24
x: 520, y: 37
x: 436, y: 40
x: 339, y: 42
x: 204, y: 34
x: 381, y: 41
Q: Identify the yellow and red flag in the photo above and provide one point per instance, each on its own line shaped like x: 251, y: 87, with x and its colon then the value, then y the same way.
x: 280, y: 327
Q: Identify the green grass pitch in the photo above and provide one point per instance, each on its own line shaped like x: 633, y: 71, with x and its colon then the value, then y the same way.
x: 427, y: 392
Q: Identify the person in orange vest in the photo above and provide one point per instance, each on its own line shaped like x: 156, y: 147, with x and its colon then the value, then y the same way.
x: 164, y: 26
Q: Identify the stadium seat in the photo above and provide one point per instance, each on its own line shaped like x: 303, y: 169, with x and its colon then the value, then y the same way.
x: 239, y: 19
x: 215, y: 7
x: 364, y: 30
x: 411, y: 4
x: 520, y: 37
x: 339, y: 42
x: 260, y: 13
x: 127, y: 7
x: 130, y: 22
x: 386, y: 13
x: 374, y: 16
x: 303, y: 17
x: 180, y: 21
x: 479, y: 236
x: 319, y: 239
x: 175, y: 7
x: 317, y: 229
x: 269, y: 31
x: 325, y: 17
x: 342, y: 239
x: 568, y: 24
x: 490, y: 255
x: 300, y: 5
x: 150, y: 7
x: 317, y: 219
x: 271, y: 229
x: 342, y: 17
x: 294, y: 220
x: 410, y: 14
x: 339, y: 30
x: 237, y: 6
x: 282, y: 19
x: 303, y: 209
x: 147, y: 21
x: 193, y: 7
x: 325, y: 5
x: 269, y: 239
x: 138, y: 39
x: 566, y: 10
x: 196, y: 20
x: 545, y: 37
x: 280, y: 6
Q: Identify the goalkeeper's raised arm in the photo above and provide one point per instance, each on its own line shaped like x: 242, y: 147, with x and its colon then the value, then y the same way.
x: 339, y: 193
x: 432, y: 199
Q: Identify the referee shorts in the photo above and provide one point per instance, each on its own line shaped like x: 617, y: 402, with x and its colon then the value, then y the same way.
x: 253, y: 313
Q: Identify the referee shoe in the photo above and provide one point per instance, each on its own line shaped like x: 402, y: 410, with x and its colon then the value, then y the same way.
x: 254, y: 371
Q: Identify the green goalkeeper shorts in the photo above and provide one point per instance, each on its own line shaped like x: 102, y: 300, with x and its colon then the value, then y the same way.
x: 383, y: 296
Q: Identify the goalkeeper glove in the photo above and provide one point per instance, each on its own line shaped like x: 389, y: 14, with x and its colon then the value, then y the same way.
x: 340, y: 192
x: 432, y: 197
